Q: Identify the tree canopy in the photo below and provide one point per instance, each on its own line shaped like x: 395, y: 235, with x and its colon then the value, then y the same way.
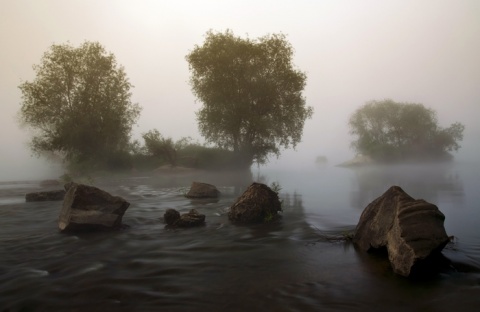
x: 79, y: 104
x: 390, y: 131
x: 251, y: 94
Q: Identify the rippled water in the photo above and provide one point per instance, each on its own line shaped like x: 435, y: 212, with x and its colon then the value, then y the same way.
x: 291, y: 265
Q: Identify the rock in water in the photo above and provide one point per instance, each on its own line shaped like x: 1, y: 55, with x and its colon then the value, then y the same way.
x: 192, y: 218
x: 87, y: 207
x: 45, y: 196
x: 411, y: 230
x: 202, y: 190
x: 257, y: 204
x: 171, y: 216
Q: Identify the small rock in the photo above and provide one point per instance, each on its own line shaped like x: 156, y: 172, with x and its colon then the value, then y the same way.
x: 171, y: 216
x: 190, y: 219
x: 202, y: 190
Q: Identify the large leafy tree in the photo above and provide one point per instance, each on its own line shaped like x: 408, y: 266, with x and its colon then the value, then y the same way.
x: 251, y: 94
x: 386, y: 130
x: 79, y: 104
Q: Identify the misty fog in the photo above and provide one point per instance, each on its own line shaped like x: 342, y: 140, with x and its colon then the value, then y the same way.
x: 352, y: 52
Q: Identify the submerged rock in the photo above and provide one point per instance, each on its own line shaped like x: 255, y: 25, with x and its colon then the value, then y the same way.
x: 90, y: 208
x: 45, y: 196
x: 410, y: 229
x: 257, y: 204
x: 202, y: 190
x: 173, y: 218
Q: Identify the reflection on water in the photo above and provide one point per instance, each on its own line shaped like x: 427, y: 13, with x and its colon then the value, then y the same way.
x: 282, y: 266
x: 433, y: 182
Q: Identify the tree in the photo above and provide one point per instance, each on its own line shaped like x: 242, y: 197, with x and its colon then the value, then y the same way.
x: 251, y: 94
x: 79, y: 104
x: 386, y: 130
x: 161, y: 147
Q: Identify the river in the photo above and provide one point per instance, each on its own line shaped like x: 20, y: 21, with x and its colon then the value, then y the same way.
x: 295, y: 264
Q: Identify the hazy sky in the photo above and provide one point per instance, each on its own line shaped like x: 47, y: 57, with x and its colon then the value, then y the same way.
x: 352, y: 51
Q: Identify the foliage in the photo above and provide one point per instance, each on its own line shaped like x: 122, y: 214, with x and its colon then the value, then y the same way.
x: 159, y: 146
x: 275, y: 186
x: 386, y: 130
x: 79, y: 105
x: 269, y: 217
x: 251, y: 94
x: 207, y: 157
x: 184, y: 152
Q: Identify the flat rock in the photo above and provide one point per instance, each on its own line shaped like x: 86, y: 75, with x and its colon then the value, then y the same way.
x: 412, y: 230
x: 89, y: 208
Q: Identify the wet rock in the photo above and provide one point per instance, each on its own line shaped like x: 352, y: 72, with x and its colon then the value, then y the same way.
x: 55, y: 195
x: 202, y: 190
x: 67, y: 185
x: 90, y: 208
x: 410, y: 229
x: 257, y: 204
x: 173, y: 218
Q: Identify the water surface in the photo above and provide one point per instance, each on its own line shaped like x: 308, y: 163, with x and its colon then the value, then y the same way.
x: 295, y: 264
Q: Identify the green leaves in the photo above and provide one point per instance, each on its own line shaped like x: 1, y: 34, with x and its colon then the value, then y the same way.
x: 251, y: 94
x: 386, y: 130
x: 79, y: 103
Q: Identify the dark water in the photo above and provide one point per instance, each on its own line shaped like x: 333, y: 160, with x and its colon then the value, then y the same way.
x: 292, y: 265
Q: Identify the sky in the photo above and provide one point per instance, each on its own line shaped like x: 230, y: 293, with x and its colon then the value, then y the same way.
x: 352, y: 52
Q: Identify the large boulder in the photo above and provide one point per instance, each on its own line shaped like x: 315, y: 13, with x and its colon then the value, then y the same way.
x: 90, y: 208
x: 45, y: 196
x: 257, y: 204
x: 202, y: 190
x: 410, y: 229
x: 173, y: 218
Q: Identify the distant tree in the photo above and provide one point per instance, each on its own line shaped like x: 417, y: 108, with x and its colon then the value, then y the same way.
x: 251, y: 94
x: 386, y: 130
x: 79, y: 104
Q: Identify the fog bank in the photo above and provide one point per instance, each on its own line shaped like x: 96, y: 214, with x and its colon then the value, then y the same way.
x: 352, y: 52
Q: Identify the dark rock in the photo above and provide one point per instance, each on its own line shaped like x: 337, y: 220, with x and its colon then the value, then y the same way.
x: 257, y: 204
x: 45, y: 196
x: 171, y: 216
x: 190, y: 219
x: 90, y: 208
x: 202, y: 190
x: 67, y: 185
x: 411, y: 230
